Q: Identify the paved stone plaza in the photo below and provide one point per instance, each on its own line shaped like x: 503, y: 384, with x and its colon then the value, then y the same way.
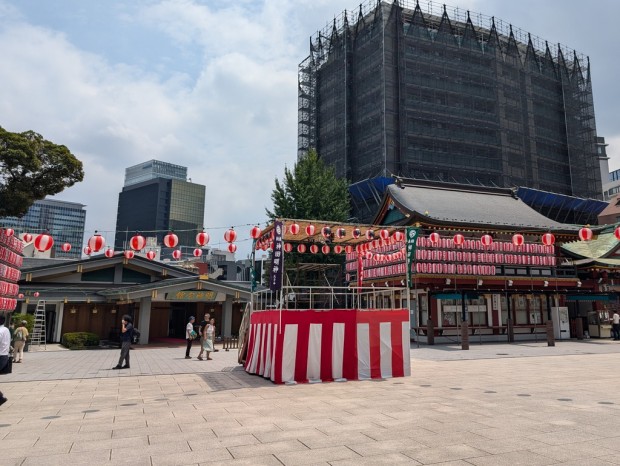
x: 520, y: 404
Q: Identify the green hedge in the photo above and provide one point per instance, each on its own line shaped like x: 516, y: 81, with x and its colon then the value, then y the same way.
x: 79, y: 340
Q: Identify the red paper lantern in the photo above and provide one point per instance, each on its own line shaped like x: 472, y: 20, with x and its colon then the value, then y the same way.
x: 288, y: 247
x: 459, y: 239
x: 384, y: 234
x: 36, y: 294
x: 617, y: 233
x: 370, y: 234
x: 348, y: 249
x: 197, y: 252
x: 356, y: 233
x: 398, y: 236
x: 66, y: 247
x: 326, y: 232
x: 585, y: 234
x: 368, y: 255
x: 137, y: 243
x: 176, y: 254
x: 230, y: 236
x: 171, y: 240
x: 88, y: 251
x: 27, y: 237
x: 310, y: 230
x: 96, y: 242
x: 109, y: 252
x: 341, y: 233
x: 9, y: 232
x: 294, y: 228
x: 486, y: 240
x: 517, y: 239
x: 150, y: 255
x: 232, y: 247
x: 20, y: 296
x: 43, y: 242
x: 301, y: 248
x: 202, y: 238
x: 338, y: 249
x: 548, y: 239
x: 434, y: 237
x: 314, y: 249
x: 255, y: 232
x: 325, y: 249
x: 129, y: 254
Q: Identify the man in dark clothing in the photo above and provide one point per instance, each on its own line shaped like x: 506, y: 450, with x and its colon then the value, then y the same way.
x: 126, y: 334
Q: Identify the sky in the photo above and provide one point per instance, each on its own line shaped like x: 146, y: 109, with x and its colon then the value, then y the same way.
x: 212, y: 85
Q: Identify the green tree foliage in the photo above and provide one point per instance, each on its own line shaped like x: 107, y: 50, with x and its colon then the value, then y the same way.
x: 31, y: 168
x: 310, y: 191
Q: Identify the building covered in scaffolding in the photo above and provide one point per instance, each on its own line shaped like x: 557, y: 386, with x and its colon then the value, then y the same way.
x: 431, y: 92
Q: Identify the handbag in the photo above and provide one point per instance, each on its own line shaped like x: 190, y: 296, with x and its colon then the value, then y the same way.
x: 193, y: 334
x: 9, y: 366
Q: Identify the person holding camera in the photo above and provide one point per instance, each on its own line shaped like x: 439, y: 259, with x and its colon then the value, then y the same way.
x: 126, y: 335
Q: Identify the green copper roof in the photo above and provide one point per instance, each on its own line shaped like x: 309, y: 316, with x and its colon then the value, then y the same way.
x: 601, y: 247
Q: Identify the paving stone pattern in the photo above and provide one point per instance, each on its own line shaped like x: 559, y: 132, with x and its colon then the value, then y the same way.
x: 520, y: 404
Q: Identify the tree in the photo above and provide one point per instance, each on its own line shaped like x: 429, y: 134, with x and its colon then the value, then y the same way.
x: 311, y: 191
x: 31, y: 168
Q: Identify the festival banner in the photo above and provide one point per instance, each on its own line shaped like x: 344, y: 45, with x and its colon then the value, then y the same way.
x: 277, y: 259
x: 411, y: 235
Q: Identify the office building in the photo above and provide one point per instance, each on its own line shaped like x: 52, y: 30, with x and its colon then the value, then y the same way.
x: 431, y: 92
x: 64, y: 221
x: 157, y: 198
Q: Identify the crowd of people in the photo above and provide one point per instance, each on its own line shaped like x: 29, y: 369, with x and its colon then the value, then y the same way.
x: 206, y: 333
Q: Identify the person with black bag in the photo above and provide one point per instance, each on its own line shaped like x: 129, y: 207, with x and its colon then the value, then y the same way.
x: 126, y: 336
x: 5, y: 347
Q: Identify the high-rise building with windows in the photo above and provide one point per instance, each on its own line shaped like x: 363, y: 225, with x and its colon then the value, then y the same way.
x: 425, y: 91
x: 64, y: 221
x: 157, y: 198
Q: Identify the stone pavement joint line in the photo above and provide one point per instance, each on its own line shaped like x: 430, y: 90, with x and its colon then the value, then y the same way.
x: 458, y: 408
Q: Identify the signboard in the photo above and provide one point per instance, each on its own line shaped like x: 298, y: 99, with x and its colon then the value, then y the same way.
x: 277, y: 258
x: 411, y: 236
x: 195, y: 295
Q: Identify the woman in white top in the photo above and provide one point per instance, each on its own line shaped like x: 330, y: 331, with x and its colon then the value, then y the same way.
x: 207, y: 343
x: 190, y: 334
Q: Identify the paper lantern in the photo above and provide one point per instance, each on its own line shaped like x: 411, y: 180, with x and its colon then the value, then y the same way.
x: 384, y: 234
x: 171, y: 240
x: 66, y: 247
x: 517, y: 239
x: 548, y: 239
x: 370, y: 234
x: 109, y: 252
x: 348, y: 249
x: 325, y: 249
x: 27, y: 237
x: 230, y: 236
x: 255, y: 232
x: 36, y: 294
x: 232, y: 247
x: 341, y: 233
x: 434, y: 237
x: 129, y: 254
x: 20, y: 296
x: 326, y: 232
x: 197, y: 252
x: 202, y: 238
x: 617, y: 233
x: 43, y: 242
x: 88, y: 251
x: 301, y: 248
x: 288, y: 247
x: 96, y: 242
x: 585, y: 234
x: 338, y: 249
x: 310, y: 230
x: 9, y: 232
x: 294, y: 228
x: 368, y: 255
x: 314, y: 249
x: 150, y: 255
x: 398, y: 236
x: 486, y: 240
x: 176, y: 254
x: 356, y: 233
x: 459, y: 239
x: 137, y: 243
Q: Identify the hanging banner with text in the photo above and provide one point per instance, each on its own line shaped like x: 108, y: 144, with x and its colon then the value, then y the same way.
x: 277, y: 259
x: 411, y: 235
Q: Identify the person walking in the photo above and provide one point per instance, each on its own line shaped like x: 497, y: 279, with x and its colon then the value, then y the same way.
x: 209, y: 343
x: 5, y: 347
x: 202, y: 331
x: 615, y: 326
x: 20, y: 336
x: 190, y: 334
x: 126, y: 335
